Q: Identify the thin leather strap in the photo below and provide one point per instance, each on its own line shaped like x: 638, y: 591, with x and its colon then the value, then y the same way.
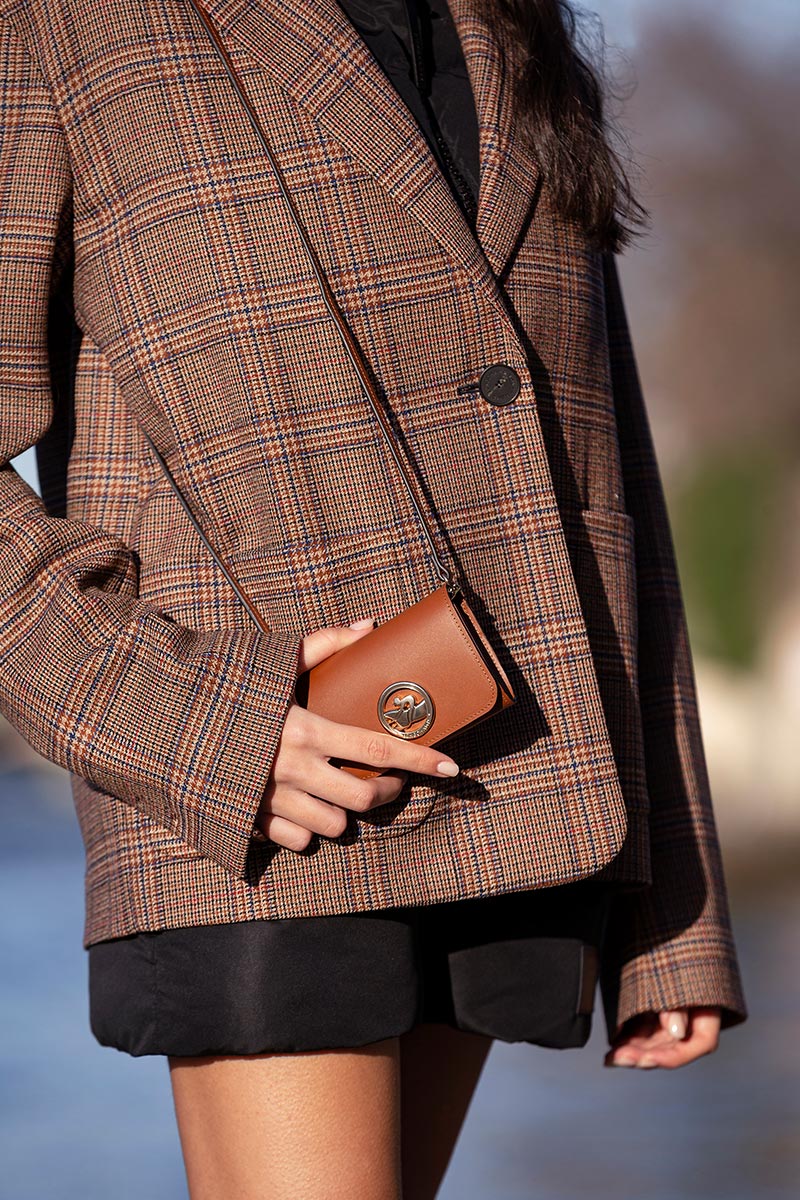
x: 444, y: 572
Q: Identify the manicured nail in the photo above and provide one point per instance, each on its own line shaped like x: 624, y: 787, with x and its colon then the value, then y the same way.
x: 448, y: 768
x: 646, y: 1061
x: 365, y: 623
x: 623, y: 1062
x: 677, y: 1027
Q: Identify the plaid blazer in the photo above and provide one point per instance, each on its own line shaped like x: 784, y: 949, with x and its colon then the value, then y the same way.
x: 150, y: 279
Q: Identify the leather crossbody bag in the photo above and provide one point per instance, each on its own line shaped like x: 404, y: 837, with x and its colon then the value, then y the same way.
x: 425, y: 674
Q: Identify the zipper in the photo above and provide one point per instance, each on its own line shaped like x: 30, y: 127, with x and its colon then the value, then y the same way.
x: 458, y: 183
x: 418, y: 64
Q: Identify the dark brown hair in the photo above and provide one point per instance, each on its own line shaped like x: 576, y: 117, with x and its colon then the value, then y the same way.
x: 562, y: 99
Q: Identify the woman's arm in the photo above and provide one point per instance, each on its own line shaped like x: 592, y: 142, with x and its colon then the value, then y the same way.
x: 670, y: 945
x: 183, y: 724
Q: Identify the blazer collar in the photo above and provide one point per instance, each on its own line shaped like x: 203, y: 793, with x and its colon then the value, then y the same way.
x: 313, y: 52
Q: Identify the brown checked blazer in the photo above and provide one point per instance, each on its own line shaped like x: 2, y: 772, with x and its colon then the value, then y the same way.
x: 150, y: 279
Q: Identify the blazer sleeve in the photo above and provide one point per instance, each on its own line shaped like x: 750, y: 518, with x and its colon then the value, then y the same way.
x: 669, y: 944
x: 181, y: 723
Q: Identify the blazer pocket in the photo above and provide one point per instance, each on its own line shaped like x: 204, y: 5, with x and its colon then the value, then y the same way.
x: 401, y: 815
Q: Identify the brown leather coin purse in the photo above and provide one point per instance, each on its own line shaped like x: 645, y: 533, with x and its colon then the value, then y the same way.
x: 423, y: 675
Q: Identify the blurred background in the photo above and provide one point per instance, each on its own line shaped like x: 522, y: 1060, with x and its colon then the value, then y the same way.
x: 708, y: 102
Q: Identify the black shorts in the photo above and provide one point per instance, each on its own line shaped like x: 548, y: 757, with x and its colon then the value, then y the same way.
x: 519, y: 967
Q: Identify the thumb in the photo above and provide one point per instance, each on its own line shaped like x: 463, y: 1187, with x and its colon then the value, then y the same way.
x: 676, y: 1021
x: 322, y: 643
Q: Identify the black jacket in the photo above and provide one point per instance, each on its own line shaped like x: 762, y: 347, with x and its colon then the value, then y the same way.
x: 417, y: 46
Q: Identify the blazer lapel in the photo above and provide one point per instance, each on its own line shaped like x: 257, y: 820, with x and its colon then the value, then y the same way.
x: 313, y: 52
x: 509, y: 172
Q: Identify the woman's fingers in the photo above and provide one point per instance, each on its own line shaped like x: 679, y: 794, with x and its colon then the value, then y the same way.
x: 304, y: 785
x: 319, y: 812
x: 284, y: 832
x: 348, y: 791
x: 322, y: 643
x: 372, y: 748
x: 313, y: 813
x: 291, y: 815
x: 650, y: 1041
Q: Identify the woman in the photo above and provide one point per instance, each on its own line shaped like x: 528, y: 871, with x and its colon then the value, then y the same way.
x: 323, y: 959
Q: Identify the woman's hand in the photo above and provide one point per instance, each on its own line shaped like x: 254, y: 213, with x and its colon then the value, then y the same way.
x: 666, y: 1039
x: 304, y: 793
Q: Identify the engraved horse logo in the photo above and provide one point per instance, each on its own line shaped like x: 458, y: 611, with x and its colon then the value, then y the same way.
x: 406, y: 711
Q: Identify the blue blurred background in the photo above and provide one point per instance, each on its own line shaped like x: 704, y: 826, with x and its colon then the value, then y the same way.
x: 708, y: 102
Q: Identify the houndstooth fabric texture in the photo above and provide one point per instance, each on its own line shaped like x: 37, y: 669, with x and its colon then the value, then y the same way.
x: 150, y: 278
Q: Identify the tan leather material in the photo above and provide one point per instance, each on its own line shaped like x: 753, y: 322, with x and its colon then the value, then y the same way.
x: 430, y: 648
x: 471, y: 622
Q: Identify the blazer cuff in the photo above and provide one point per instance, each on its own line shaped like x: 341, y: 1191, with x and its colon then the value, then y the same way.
x: 218, y: 800
x: 669, y: 977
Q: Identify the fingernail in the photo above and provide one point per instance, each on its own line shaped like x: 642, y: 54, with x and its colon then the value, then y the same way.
x: 677, y: 1027
x: 448, y: 768
x: 623, y: 1062
x: 363, y: 624
x: 646, y: 1062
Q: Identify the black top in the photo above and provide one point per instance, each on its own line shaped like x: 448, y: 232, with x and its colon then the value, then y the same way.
x: 416, y: 44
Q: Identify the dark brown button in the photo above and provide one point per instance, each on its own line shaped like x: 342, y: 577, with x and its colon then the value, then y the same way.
x: 499, y: 384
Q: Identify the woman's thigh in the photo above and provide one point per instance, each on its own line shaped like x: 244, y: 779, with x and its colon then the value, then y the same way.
x: 440, y: 1069
x: 299, y: 1126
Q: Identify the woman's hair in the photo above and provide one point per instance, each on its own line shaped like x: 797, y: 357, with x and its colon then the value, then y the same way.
x: 562, y: 102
